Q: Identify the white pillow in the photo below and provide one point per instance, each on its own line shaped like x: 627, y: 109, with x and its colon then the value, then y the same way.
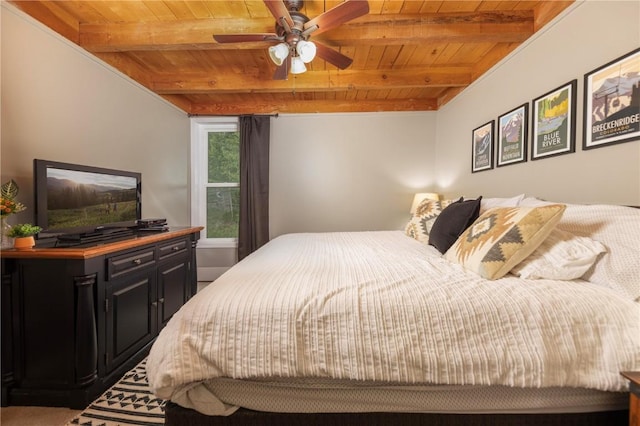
x: 534, y: 202
x: 618, y: 229
x: 561, y: 256
x: 489, y: 203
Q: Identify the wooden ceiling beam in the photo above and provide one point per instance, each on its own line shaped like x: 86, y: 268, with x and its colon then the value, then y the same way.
x: 503, y: 27
x: 313, y: 106
x: 312, y: 81
x: 126, y: 65
x: 179, y: 101
x: 53, y: 16
x: 548, y: 10
x: 386, y: 35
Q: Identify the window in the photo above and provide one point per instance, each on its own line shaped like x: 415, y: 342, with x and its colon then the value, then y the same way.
x: 215, y: 179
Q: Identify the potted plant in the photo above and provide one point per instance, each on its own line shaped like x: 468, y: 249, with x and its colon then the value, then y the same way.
x: 23, y: 235
x: 8, y: 206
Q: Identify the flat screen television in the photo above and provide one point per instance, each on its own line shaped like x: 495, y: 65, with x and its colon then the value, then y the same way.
x: 81, y: 199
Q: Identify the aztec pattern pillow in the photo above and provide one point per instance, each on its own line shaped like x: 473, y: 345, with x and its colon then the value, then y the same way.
x: 502, y: 237
x: 422, y: 220
x: 452, y: 222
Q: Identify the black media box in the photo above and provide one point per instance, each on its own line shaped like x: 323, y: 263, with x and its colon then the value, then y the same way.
x: 151, y: 223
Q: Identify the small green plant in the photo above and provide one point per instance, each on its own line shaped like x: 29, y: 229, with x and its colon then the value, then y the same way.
x: 23, y: 230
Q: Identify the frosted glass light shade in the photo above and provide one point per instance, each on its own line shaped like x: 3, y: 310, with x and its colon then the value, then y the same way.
x: 279, y: 53
x: 306, y: 50
x: 297, y: 66
x: 420, y: 197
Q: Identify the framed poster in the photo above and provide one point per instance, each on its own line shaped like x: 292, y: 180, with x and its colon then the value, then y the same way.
x: 554, y: 117
x: 612, y: 102
x: 512, y: 136
x: 482, y: 147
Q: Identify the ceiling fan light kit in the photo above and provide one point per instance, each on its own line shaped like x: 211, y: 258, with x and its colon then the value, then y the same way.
x: 279, y: 53
x: 306, y: 51
x: 297, y: 65
x: 292, y: 31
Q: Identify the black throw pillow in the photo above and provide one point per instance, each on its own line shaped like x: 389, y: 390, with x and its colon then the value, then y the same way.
x: 452, y: 222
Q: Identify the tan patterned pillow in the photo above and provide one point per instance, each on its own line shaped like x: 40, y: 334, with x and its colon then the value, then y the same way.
x: 502, y: 237
x: 422, y: 220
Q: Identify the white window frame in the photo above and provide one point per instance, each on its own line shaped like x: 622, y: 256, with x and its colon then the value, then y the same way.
x: 200, y: 128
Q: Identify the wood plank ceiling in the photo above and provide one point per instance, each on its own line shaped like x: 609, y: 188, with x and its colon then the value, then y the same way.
x: 408, y: 55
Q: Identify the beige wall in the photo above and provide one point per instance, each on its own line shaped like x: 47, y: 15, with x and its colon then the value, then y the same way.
x: 339, y: 172
x: 591, y: 34
x: 60, y: 104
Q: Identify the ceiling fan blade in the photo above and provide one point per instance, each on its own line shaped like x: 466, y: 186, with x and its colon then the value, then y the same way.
x: 282, y: 72
x: 346, y: 11
x: 240, y: 38
x: 332, y: 56
x: 279, y: 11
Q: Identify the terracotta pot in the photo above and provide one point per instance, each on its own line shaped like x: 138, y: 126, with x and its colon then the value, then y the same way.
x: 24, y: 243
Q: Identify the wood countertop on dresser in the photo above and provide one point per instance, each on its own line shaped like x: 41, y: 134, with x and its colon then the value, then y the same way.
x: 86, y: 251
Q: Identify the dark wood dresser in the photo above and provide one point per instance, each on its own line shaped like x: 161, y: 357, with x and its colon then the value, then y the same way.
x: 75, y: 319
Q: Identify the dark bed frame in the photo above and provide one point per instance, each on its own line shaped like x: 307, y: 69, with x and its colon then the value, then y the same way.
x: 179, y: 416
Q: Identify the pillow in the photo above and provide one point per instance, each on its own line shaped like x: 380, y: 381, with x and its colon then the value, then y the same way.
x: 452, y: 222
x: 489, y: 203
x: 534, y: 202
x: 561, y: 256
x: 422, y: 220
x: 618, y: 229
x: 502, y: 237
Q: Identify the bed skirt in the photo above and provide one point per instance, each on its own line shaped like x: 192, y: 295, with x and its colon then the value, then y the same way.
x: 179, y: 416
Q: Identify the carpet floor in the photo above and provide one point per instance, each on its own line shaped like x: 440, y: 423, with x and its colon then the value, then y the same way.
x: 128, y: 402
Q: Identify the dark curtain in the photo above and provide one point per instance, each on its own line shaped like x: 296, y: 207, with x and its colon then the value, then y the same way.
x: 254, y: 184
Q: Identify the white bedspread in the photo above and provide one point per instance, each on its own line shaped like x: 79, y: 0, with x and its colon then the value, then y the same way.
x: 380, y: 306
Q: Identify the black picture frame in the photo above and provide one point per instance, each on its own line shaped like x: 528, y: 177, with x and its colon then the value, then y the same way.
x: 612, y: 102
x: 513, y: 130
x: 553, y: 117
x: 482, y: 147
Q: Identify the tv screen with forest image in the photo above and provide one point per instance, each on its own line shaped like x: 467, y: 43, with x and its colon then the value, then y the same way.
x: 79, y: 198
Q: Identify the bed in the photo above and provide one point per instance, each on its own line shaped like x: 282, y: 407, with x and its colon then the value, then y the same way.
x: 388, y: 327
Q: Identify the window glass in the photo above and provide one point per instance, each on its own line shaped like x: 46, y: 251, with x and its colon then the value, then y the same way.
x: 222, y: 212
x: 224, y: 157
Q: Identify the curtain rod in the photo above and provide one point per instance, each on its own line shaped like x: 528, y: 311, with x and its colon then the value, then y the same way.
x: 232, y: 115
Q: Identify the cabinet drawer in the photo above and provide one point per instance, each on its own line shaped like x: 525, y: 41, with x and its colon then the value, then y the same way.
x: 172, y: 248
x: 130, y: 262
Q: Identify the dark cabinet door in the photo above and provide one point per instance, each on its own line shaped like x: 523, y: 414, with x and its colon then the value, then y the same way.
x: 131, y: 316
x: 173, y: 286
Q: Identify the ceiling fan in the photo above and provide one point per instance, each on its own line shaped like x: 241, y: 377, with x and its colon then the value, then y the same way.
x: 292, y: 33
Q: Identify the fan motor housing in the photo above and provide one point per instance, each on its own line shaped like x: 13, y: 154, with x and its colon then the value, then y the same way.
x: 294, y: 5
x: 299, y: 19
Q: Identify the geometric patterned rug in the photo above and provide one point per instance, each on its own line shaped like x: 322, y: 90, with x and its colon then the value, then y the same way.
x: 128, y: 402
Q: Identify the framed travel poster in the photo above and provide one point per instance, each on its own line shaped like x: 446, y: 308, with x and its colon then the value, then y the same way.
x: 512, y: 136
x: 612, y: 102
x: 554, y: 117
x: 482, y: 147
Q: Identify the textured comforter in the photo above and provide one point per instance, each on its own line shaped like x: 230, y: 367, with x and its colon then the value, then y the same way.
x: 380, y: 306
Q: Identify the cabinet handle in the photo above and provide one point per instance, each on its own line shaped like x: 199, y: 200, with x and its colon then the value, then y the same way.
x: 137, y: 261
x: 154, y: 304
x: 161, y: 300
x: 175, y: 248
